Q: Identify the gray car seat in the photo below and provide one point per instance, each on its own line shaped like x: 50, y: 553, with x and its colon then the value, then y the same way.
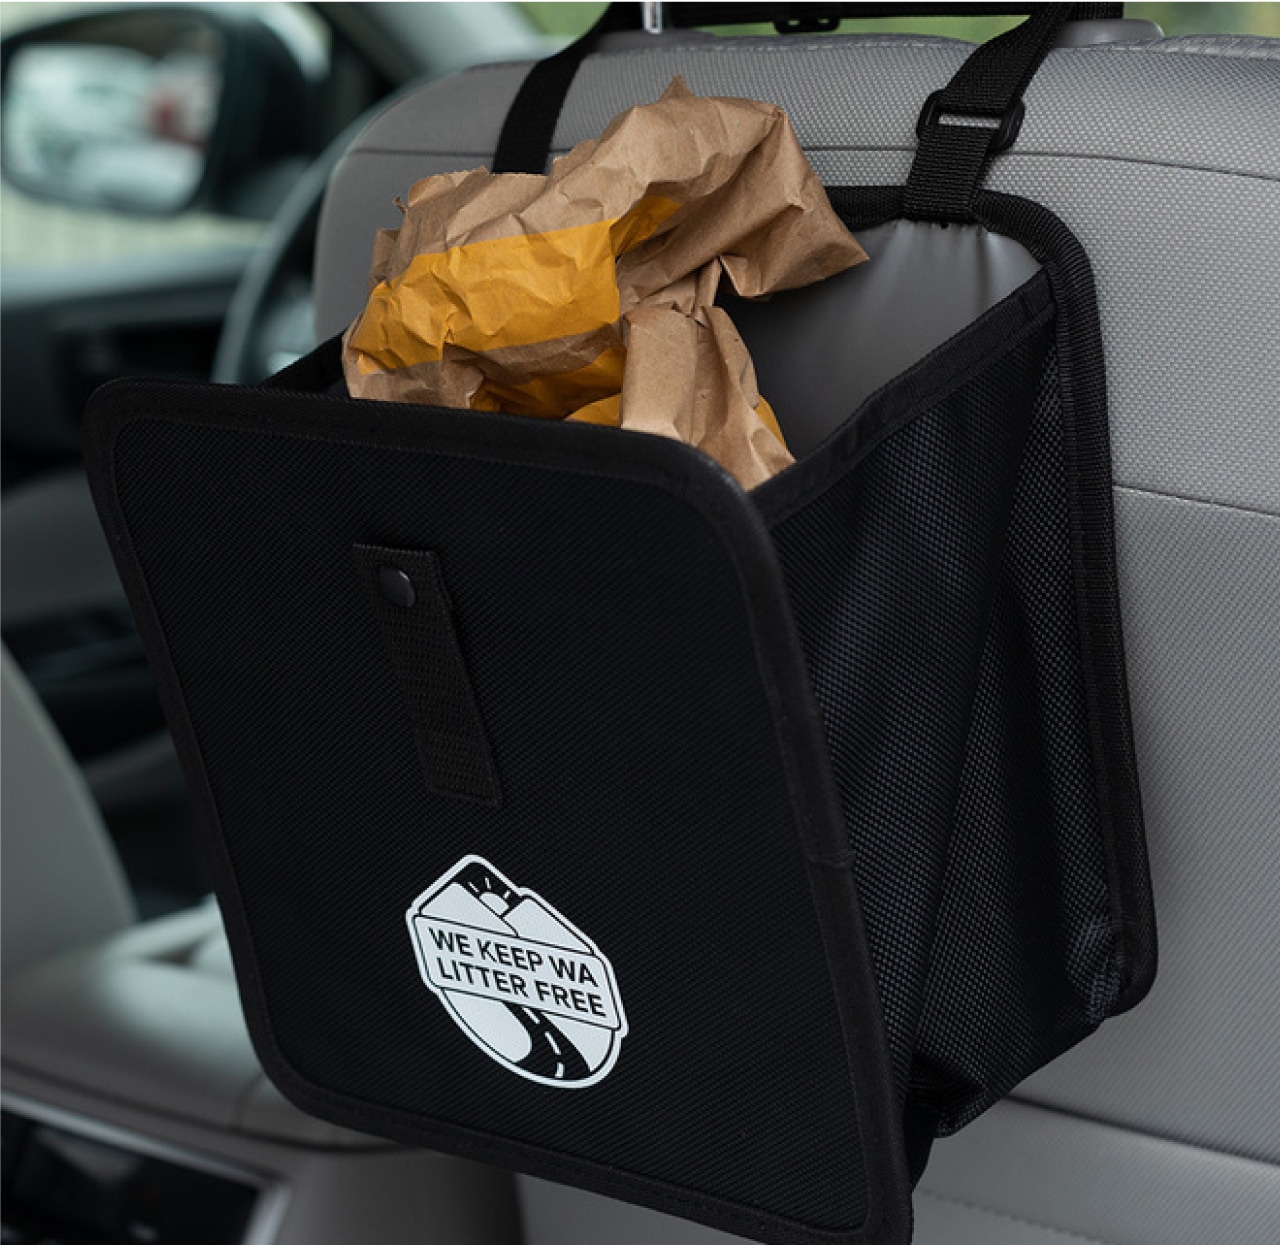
x: 62, y: 884
x: 1161, y: 156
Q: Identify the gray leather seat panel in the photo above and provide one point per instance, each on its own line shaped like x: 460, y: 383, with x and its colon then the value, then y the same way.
x: 942, y: 1221
x: 1197, y: 1060
x: 827, y: 79
x: 1025, y: 1175
x: 1185, y: 262
x: 62, y: 884
x: 362, y: 198
x: 1016, y: 1176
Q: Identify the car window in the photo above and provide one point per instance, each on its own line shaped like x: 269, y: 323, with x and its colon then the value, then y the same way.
x: 37, y: 233
x: 45, y: 234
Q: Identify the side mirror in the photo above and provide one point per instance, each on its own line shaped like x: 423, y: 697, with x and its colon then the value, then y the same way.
x: 153, y: 110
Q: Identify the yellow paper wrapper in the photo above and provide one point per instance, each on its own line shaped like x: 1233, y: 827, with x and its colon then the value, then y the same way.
x: 590, y: 293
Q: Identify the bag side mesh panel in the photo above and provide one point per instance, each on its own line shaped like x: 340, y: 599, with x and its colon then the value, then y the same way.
x: 1025, y: 884
x: 932, y: 587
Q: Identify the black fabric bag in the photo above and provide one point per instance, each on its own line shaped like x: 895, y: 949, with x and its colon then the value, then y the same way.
x: 572, y: 809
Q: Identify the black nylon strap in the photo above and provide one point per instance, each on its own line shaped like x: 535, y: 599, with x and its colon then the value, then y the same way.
x: 413, y: 611
x: 988, y: 91
x: 526, y: 139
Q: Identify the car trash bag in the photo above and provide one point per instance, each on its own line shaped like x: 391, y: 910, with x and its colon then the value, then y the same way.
x: 574, y: 810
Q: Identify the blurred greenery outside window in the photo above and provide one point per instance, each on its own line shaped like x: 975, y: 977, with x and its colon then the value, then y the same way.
x: 1174, y: 19
x: 39, y: 233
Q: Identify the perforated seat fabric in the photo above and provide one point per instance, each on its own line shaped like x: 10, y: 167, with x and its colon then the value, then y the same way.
x: 1162, y: 159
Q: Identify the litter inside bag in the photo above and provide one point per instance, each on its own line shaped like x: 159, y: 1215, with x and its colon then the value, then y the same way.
x: 589, y: 293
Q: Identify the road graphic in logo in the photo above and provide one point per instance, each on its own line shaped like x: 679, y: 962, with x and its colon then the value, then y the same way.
x: 530, y: 989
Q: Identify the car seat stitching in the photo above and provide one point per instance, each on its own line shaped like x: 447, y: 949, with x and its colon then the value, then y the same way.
x: 1217, y: 171
x: 1140, y: 491
x: 1001, y: 1214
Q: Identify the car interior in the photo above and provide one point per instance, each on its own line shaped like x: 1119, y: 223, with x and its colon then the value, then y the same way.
x: 134, y: 1105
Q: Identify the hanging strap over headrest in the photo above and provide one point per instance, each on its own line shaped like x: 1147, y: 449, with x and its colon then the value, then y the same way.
x: 986, y: 93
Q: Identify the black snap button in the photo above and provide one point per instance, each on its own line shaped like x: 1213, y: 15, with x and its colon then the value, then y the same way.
x: 396, y: 586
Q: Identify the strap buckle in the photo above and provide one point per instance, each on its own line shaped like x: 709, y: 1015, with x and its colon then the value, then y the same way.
x: 1004, y: 131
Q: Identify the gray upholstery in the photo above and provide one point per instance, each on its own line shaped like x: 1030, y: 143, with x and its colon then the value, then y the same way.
x: 61, y: 881
x: 1024, y: 1165
x: 1198, y: 1060
x: 1013, y: 1178
x: 151, y: 1017
x: 1162, y: 158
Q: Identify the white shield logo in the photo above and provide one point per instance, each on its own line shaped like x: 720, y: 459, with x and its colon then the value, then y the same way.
x: 527, y: 986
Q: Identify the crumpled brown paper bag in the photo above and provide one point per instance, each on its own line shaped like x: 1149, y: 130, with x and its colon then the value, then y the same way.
x: 589, y: 293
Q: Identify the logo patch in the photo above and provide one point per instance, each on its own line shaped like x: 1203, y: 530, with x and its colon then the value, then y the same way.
x: 527, y: 986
